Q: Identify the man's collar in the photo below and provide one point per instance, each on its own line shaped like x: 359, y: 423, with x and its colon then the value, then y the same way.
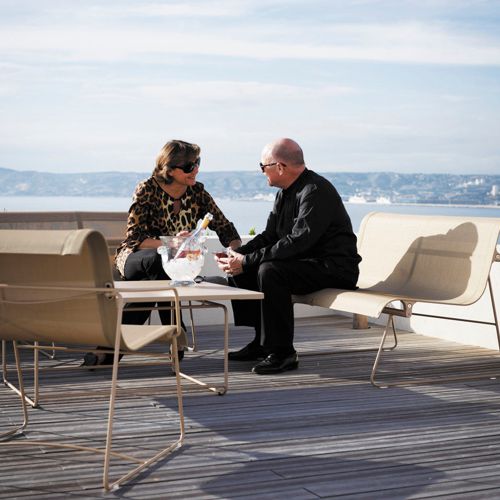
x: 297, y: 182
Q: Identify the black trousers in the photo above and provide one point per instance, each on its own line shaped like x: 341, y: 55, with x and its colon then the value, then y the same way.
x: 279, y: 280
x: 145, y: 265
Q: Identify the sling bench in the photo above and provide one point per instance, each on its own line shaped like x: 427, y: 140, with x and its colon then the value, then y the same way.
x: 410, y: 259
x: 57, y: 287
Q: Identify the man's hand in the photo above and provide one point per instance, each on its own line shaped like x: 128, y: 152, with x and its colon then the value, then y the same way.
x: 232, y: 265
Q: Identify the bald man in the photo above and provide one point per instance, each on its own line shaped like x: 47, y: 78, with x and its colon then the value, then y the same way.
x: 308, y: 244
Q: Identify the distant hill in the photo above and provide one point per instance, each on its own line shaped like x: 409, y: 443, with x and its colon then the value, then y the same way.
x: 375, y: 186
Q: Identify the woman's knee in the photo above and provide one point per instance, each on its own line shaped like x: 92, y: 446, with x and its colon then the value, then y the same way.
x: 152, y: 265
x: 144, y: 264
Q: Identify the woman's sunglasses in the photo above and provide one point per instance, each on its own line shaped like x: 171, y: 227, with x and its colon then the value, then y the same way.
x: 188, y: 167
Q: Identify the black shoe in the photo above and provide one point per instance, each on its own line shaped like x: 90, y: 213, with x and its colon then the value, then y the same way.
x: 99, y: 359
x: 251, y: 352
x: 93, y: 359
x: 277, y: 364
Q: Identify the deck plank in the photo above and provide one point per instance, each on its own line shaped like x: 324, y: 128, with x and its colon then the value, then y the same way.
x: 319, y: 432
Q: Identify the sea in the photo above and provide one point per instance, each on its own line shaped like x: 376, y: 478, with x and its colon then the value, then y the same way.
x: 245, y: 214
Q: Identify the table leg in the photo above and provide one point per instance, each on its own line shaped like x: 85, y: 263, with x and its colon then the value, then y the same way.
x: 220, y: 390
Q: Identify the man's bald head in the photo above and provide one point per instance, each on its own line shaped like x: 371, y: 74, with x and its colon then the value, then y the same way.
x: 286, y: 151
x: 282, y: 161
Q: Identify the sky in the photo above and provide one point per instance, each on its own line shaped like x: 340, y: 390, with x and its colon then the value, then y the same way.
x: 363, y: 85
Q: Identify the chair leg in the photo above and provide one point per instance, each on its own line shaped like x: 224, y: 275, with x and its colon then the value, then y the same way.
x: 36, y: 373
x: 107, y: 451
x: 390, y: 321
x: 21, y: 393
x: 32, y: 402
x: 142, y: 463
x: 494, y: 309
x: 457, y: 378
x: 4, y: 360
x: 391, y: 348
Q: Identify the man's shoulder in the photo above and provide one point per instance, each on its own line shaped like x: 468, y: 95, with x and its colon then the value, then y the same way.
x: 314, y: 176
x: 317, y: 182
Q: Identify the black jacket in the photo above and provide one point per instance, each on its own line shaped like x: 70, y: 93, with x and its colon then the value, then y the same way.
x: 308, y: 221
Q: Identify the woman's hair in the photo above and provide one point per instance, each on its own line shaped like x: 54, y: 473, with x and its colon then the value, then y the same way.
x: 174, y: 153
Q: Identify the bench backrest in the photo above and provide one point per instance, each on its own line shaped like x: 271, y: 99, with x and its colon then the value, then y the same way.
x: 38, y: 220
x: 429, y: 258
x: 38, y: 258
x: 111, y: 224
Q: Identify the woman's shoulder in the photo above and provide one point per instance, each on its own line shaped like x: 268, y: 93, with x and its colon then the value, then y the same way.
x: 146, y: 186
x: 144, y: 183
x: 198, y: 188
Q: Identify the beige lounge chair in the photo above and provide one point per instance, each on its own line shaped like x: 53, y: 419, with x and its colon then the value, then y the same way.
x: 57, y: 286
x: 111, y: 224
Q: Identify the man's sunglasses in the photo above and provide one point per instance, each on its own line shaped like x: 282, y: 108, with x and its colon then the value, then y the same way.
x: 263, y: 167
x: 188, y: 167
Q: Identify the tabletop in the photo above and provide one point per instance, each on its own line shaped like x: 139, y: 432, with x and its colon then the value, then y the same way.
x: 151, y: 290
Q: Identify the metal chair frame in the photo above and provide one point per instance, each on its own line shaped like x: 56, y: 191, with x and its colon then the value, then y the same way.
x: 172, y: 331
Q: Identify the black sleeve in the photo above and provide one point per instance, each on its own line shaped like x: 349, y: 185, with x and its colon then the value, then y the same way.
x: 266, y: 238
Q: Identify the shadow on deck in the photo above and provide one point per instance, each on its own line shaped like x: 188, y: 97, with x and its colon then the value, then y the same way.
x: 319, y: 432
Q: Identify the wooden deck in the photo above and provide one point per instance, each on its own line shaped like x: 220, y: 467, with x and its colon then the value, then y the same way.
x: 320, y: 432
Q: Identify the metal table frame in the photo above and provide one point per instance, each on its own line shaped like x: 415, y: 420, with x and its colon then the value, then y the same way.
x: 199, y: 296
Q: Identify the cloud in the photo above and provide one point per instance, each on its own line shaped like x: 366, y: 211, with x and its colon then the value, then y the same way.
x: 102, y: 84
x: 191, y: 94
x: 455, y: 98
x: 409, y: 43
x: 199, y: 9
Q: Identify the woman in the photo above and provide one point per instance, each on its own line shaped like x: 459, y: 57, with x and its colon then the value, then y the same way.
x: 167, y: 203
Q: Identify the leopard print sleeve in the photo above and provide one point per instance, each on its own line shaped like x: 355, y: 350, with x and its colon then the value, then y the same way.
x: 226, y: 231
x: 137, y: 224
x: 139, y: 216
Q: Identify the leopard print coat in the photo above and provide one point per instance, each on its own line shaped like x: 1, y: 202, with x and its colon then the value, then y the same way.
x: 151, y: 215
